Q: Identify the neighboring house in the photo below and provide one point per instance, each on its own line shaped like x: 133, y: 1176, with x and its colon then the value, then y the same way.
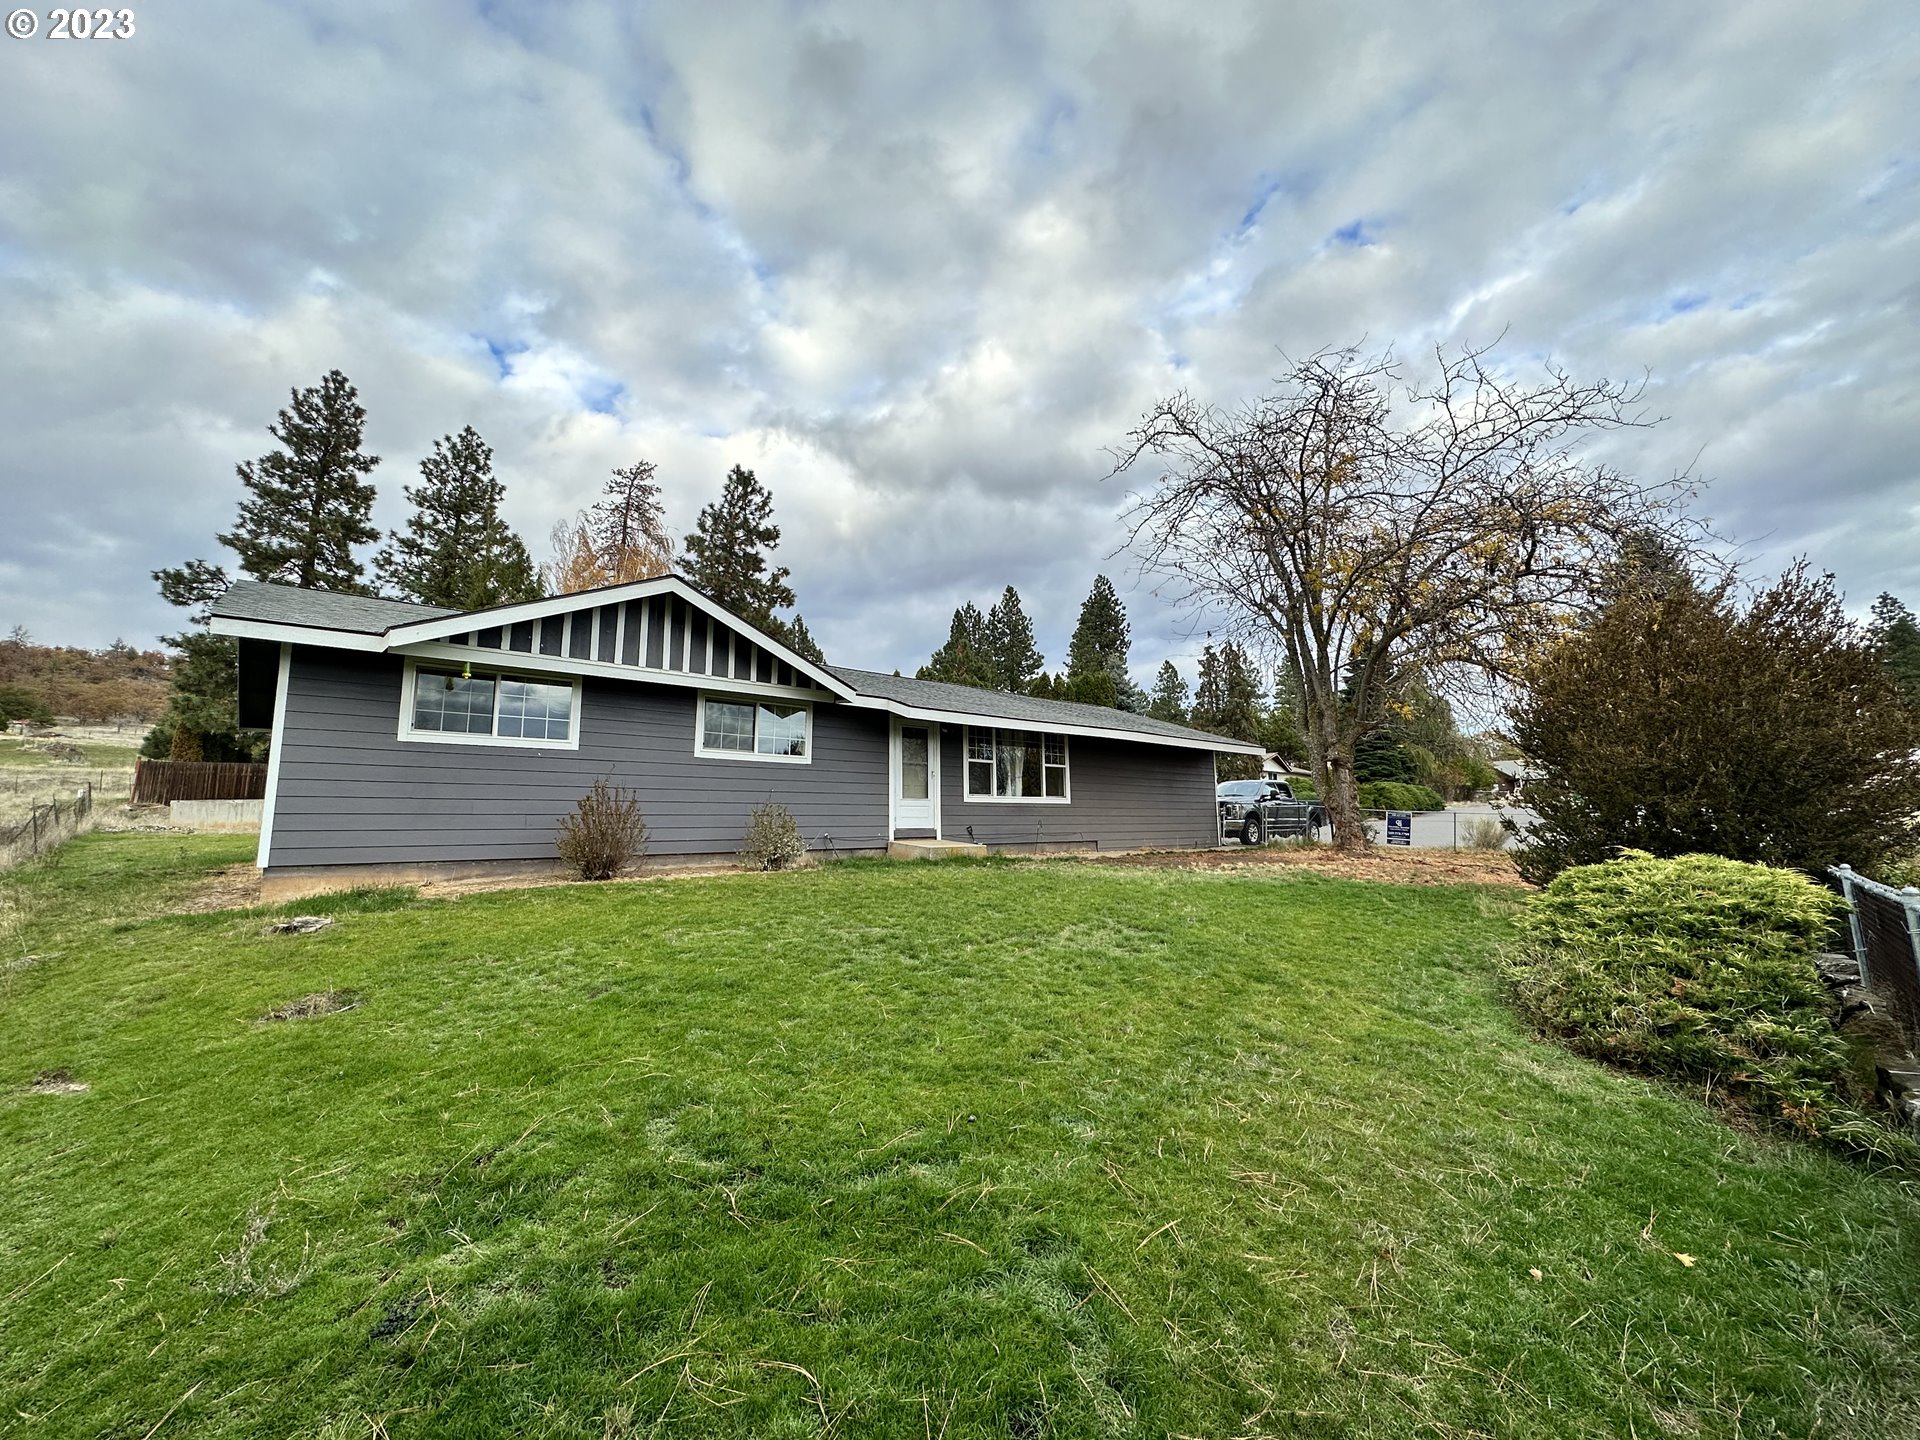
x: 1510, y: 777
x: 411, y: 740
x: 1277, y: 767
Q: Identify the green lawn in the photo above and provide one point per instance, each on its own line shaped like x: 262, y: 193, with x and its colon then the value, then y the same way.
x: 937, y: 1150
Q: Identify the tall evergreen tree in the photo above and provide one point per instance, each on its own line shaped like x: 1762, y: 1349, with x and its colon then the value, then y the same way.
x: 800, y: 640
x: 966, y: 658
x: 1169, y: 700
x: 729, y: 554
x: 1227, y: 702
x: 456, y: 550
x: 202, y: 719
x: 1097, y: 654
x: 307, y: 503
x: 1015, y: 659
x: 629, y: 526
x: 1897, y: 637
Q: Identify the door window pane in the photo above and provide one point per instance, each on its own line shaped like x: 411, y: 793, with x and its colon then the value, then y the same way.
x: 913, y: 764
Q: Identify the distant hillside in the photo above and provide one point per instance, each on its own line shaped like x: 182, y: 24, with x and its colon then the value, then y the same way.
x: 118, y: 683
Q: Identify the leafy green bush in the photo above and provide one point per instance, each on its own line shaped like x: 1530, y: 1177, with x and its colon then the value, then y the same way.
x: 1697, y: 967
x: 1394, y: 795
x: 1302, y: 786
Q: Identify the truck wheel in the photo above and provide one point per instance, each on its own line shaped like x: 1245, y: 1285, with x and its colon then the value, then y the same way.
x: 1254, y: 831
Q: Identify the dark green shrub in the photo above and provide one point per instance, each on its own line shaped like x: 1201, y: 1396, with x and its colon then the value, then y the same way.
x: 1302, y: 786
x: 19, y: 703
x: 1395, y: 795
x: 1697, y: 968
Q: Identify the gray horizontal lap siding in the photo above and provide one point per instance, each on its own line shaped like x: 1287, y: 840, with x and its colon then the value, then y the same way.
x: 1126, y: 796
x: 351, y: 792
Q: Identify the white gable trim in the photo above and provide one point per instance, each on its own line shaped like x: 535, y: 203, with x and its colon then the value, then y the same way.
x: 490, y: 659
x: 446, y: 626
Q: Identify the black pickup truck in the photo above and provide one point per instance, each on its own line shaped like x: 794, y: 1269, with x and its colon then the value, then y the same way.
x: 1258, y: 810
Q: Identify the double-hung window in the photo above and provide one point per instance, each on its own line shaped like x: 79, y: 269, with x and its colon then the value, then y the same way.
x: 468, y: 706
x: 754, y: 730
x: 1016, y: 765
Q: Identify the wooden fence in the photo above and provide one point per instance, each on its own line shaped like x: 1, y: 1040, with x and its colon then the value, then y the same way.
x: 157, y: 782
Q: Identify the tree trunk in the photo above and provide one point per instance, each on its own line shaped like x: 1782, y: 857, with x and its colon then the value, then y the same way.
x: 1342, y: 799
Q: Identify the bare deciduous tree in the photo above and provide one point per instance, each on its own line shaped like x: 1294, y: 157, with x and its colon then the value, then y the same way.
x: 1373, y: 543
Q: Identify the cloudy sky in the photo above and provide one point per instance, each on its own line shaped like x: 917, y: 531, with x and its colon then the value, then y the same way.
x: 918, y: 266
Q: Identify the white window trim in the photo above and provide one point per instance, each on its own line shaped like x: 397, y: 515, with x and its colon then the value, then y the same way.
x: 966, y: 768
x: 454, y: 737
x: 700, y: 728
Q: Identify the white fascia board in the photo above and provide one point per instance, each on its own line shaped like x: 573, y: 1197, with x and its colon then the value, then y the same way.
x: 488, y: 659
x: 295, y: 634
x: 1054, y: 727
x: 416, y: 631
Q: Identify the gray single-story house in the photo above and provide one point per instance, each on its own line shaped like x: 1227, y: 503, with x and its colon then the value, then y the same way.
x: 411, y: 741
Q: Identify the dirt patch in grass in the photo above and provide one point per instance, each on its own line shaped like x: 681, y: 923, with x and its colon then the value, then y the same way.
x: 57, y: 1082
x: 1390, y: 866
x: 232, y: 887
x: 313, y: 1007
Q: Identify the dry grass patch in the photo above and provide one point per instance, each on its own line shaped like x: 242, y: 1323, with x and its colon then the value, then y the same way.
x: 1378, y: 863
x: 57, y: 1082
x: 314, y: 1006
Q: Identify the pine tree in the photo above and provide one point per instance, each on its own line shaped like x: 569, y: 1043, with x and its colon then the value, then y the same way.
x: 1097, y: 654
x: 202, y: 719
x: 800, y: 640
x: 1280, y: 732
x: 456, y: 549
x: 629, y: 526
x: 1169, y: 700
x: 307, y: 505
x: 965, y: 659
x: 1227, y: 702
x: 1015, y: 659
x: 1897, y: 637
x: 729, y: 554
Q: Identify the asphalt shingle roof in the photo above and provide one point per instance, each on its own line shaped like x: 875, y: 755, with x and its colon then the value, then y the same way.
x: 360, y: 615
x: 320, y: 609
x: 1000, y: 705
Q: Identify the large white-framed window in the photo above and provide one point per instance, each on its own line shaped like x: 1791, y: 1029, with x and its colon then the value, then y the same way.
x: 451, y: 704
x: 733, y: 727
x: 1025, y: 767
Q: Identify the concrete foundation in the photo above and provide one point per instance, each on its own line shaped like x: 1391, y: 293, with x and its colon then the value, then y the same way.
x: 294, y: 882
x: 217, y: 815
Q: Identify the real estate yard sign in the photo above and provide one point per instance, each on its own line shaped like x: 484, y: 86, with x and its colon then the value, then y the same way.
x: 1399, y: 827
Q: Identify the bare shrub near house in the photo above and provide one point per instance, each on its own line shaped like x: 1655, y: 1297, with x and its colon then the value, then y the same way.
x: 773, y: 839
x: 605, y: 834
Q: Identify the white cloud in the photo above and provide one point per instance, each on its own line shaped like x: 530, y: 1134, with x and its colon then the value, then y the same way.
x: 919, y: 266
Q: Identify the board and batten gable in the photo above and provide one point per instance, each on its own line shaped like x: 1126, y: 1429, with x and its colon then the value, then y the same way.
x: 656, y: 632
x: 1125, y: 796
x: 351, y: 792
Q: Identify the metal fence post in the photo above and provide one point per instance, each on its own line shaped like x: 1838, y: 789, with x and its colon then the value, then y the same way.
x: 1845, y: 872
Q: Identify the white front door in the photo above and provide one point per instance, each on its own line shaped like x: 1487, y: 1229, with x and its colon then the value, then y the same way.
x: 916, y: 779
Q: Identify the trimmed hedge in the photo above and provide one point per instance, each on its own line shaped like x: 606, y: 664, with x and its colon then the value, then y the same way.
x: 1698, y: 968
x: 1395, y: 795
